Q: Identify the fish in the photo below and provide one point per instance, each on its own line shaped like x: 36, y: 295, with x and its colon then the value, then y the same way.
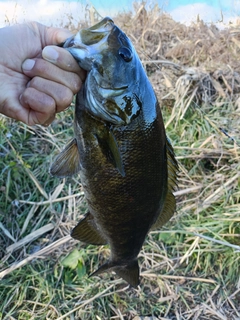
x: 126, y: 162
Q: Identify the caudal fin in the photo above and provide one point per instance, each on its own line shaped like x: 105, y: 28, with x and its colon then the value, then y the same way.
x: 129, y: 271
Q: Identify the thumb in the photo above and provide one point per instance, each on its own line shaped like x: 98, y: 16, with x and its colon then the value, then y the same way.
x: 52, y: 35
x: 58, y: 35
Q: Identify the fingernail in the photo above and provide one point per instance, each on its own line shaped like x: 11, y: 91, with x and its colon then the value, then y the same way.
x: 28, y: 64
x: 50, y: 54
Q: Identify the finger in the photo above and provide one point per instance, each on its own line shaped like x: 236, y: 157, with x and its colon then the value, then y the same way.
x: 49, y: 121
x: 47, y: 70
x: 52, y: 35
x: 57, y: 55
x: 38, y: 107
x: 63, y: 59
x: 62, y: 95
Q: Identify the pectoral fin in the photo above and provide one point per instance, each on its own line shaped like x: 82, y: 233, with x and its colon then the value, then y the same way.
x: 67, y: 162
x: 110, y: 149
x: 87, y: 231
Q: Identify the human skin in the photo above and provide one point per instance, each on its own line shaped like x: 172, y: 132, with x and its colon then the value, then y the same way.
x: 37, y: 78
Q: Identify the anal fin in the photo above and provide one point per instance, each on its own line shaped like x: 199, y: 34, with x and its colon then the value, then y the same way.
x: 87, y: 231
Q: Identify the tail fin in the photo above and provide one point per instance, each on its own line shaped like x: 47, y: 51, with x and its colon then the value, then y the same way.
x: 129, y: 271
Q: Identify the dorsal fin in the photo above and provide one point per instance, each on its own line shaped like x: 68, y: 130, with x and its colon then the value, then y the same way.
x: 67, y: 161
x: 170, y: 202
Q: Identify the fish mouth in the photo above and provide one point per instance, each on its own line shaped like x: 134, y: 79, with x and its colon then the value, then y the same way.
x: 104, y: 25
x: 89, y: 41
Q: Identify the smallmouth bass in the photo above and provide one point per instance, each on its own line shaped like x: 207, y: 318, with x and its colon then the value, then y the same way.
x: 127, y: 165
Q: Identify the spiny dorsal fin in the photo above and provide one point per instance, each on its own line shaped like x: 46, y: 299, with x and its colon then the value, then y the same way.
x: 86, y: 231
x: 109, y: 147
x: 67, y: 162
x: 170, y: 202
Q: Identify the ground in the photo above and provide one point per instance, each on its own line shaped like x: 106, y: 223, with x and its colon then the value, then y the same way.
x: 189, y: 268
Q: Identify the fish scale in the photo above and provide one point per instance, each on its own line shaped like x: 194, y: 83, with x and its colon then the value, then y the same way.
x: 126, y: 163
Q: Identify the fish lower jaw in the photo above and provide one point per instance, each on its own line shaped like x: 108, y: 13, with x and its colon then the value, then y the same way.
x: 111, y: 92
x: 97, y: 109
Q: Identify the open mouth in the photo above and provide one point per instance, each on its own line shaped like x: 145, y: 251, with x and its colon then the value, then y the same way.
x: 105, y: 25
x: 91, y: 37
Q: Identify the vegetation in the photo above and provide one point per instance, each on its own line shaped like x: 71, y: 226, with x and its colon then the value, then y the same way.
x: 189, y: 269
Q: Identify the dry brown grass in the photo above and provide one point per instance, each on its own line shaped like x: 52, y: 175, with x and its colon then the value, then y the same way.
x: 197, y: 60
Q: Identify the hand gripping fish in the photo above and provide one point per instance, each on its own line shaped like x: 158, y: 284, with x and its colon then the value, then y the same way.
x: 126, y: 162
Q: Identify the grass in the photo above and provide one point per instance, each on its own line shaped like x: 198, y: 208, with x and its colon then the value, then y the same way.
x: 189, y: 269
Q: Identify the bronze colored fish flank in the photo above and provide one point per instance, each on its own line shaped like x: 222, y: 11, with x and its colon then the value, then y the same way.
x: 126, y: 163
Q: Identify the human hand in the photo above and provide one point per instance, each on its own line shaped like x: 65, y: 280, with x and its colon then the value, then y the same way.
x: 33, y: 89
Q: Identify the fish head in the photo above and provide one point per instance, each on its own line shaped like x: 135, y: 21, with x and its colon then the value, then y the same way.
x: 112, y: 86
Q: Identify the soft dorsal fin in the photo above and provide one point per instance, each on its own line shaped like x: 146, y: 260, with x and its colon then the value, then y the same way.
x: 169, y: 206
x: 108, y: 144
x: 167, y: 211
x: 87, y: 231
x: 67, y: 162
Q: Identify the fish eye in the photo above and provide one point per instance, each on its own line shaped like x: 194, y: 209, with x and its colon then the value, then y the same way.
x: 125, y: 53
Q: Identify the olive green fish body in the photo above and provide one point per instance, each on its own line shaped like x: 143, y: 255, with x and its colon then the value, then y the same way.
x: 126, y: 163
x: 124, y: 207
